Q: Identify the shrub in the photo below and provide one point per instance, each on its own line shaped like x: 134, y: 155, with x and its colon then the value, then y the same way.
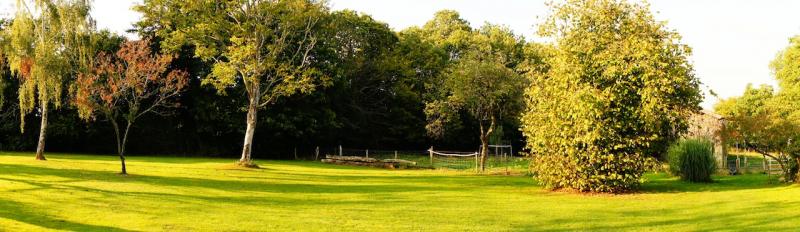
x: 589, y: 172
x: 615, y: 88
x: 692, y: 160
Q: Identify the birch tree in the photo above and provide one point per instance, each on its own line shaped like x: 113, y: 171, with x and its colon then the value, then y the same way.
x: 47, y: 44
x: 264, y: 46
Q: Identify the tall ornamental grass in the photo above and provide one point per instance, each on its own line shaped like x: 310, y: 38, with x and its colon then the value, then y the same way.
x: 692, y: 160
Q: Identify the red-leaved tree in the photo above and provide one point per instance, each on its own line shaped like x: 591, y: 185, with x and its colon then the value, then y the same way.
x: 123, y: 86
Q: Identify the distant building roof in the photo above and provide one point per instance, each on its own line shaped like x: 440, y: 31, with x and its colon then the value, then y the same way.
x: 712, y: 114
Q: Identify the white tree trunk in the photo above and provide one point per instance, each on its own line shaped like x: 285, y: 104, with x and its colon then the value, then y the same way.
x: 42, y: 133
x: 252, y: 116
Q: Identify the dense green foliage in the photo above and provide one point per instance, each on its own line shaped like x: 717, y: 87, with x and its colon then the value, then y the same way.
x: 480, y: 82
x: 264, y: 47
x: 692, y: 160
x: 379, y: 82
x: 618, y: 89
x: 81, y: 193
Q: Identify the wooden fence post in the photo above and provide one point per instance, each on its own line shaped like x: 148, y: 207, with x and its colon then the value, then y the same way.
x: 746, y: 165
x: 367, y: 153
x: 316, y: 154
x: 738, y: 166
x: 295, y: 153
x: 395, y: 154
x: 340, y: 150
x: 477, y: 169
x: 430, y: 151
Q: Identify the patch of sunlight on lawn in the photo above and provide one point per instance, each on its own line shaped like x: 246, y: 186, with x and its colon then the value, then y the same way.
x: 84, y: 193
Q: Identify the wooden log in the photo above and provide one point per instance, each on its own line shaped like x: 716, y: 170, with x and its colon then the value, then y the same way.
x: 399, y: 161
x: 368, y: 162
x: 352, y: 158
x: 356, y: 163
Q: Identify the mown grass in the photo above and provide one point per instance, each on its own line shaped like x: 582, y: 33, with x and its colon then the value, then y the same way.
x: 84, y: 193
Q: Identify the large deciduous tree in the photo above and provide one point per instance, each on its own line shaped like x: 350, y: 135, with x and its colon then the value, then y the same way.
x: 482, y: 82
x: 47, y: 45
x: 374, y: 90
x: 263, y: 46
x: 124, y: 86
x: 618, y: 85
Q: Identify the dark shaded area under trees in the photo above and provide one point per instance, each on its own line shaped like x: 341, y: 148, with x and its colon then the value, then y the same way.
x: 380, y: 81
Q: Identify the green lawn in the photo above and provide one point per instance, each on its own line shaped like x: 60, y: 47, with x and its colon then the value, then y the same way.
x: 83, y: 193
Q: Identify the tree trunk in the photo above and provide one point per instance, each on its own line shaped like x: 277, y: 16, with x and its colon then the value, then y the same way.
x: 122, y: 149
x: 252, y: 116
x: 485, y: 133
x: 780, y: 161
x: 796, y: 174
x: 121, y: 140
x: 42, y: 133
x: 484, y: 150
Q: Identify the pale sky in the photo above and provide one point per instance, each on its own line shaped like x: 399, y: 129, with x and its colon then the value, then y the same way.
x: 733, y: 41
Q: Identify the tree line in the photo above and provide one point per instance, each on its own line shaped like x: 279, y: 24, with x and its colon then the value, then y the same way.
x: 595, y: 107
x: 317, y: 77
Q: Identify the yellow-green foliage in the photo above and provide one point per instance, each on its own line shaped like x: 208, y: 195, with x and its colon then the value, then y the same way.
x: 766, y: 122
x: 265, y: 46
x: 84, y: 193
x: 618, y: 88
x: 46, y: 44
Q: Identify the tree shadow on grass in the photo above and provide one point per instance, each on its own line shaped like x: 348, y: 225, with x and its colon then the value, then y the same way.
x: 166, y: 159
x: 461, y: 180
x: 21, y: 213
x: 194, y: 198
x: 662, y: 183
x: 266, y: 184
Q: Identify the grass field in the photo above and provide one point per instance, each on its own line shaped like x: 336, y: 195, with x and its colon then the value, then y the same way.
x: 84, y: 193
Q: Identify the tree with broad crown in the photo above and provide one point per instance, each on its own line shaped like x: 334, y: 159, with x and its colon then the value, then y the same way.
x: 263, y: 46
x: 47, y: 45
x: 755, y: 122
x: 618, y: 85
x: 127, y: 85
x: 482, y: 83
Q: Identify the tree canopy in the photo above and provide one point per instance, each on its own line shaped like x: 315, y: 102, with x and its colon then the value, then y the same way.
x: 126, y: 85
x: 264, y: 46
x: 619, y: 88
x: 481, y: 82
x: 47, y: 45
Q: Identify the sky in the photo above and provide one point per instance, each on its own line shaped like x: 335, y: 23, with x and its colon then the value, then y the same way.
x: 733, y: 41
